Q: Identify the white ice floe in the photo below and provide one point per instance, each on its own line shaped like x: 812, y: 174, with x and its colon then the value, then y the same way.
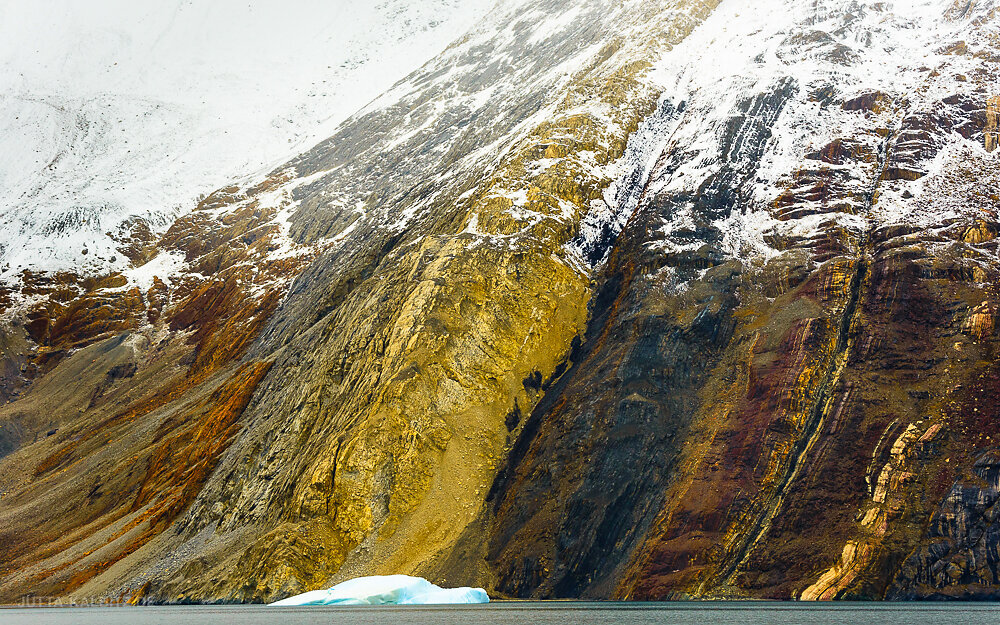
x: 387, y: 590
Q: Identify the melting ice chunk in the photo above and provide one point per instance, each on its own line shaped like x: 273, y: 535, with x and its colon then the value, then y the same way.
x: 386, y: 590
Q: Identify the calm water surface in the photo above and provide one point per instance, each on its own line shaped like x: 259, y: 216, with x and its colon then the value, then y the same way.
x: 502, y: 613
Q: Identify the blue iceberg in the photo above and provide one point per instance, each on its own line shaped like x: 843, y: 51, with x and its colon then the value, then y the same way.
x: 386, y: 590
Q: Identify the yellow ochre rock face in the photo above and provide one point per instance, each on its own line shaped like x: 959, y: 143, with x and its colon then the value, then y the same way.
x: 439, y: 358
x: 992, y: 123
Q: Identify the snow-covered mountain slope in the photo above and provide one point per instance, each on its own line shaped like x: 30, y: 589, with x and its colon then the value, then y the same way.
x: 904, y: 55
x: 114, y: 110
x: 910, y: 58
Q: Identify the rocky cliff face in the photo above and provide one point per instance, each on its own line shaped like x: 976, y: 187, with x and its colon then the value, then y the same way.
x: 634, y: 300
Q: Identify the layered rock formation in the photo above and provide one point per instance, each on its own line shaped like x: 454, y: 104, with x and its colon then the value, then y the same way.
x: 633, y: 300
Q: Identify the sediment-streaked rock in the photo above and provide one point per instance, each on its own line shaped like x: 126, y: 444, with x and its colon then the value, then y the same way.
x: 639, y: 300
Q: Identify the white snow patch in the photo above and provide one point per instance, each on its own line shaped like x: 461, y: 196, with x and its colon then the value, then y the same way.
x: 163, y: 266
x: 555, y: 25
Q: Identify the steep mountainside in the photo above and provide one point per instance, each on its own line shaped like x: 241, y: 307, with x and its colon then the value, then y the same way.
x: 610, y: 299
x: 116, y: 115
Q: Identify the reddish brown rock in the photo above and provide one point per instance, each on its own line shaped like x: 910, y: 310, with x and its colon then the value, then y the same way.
x: 874, y: 102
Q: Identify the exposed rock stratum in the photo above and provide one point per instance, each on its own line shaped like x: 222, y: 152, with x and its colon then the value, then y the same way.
x: 631, y: 299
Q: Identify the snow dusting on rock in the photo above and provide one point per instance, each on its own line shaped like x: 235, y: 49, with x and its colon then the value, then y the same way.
x: 112, y: 110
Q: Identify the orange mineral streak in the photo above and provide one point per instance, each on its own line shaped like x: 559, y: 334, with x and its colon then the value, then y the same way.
x: 182, y: 462
x: 214, y: 310
x: 192, y: 443
x: 225, y: 324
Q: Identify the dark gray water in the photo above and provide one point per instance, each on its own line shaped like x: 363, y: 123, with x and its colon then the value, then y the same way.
x: 561, y: 613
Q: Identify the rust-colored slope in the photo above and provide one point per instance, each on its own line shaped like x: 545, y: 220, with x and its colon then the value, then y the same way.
x: 134, y: 397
